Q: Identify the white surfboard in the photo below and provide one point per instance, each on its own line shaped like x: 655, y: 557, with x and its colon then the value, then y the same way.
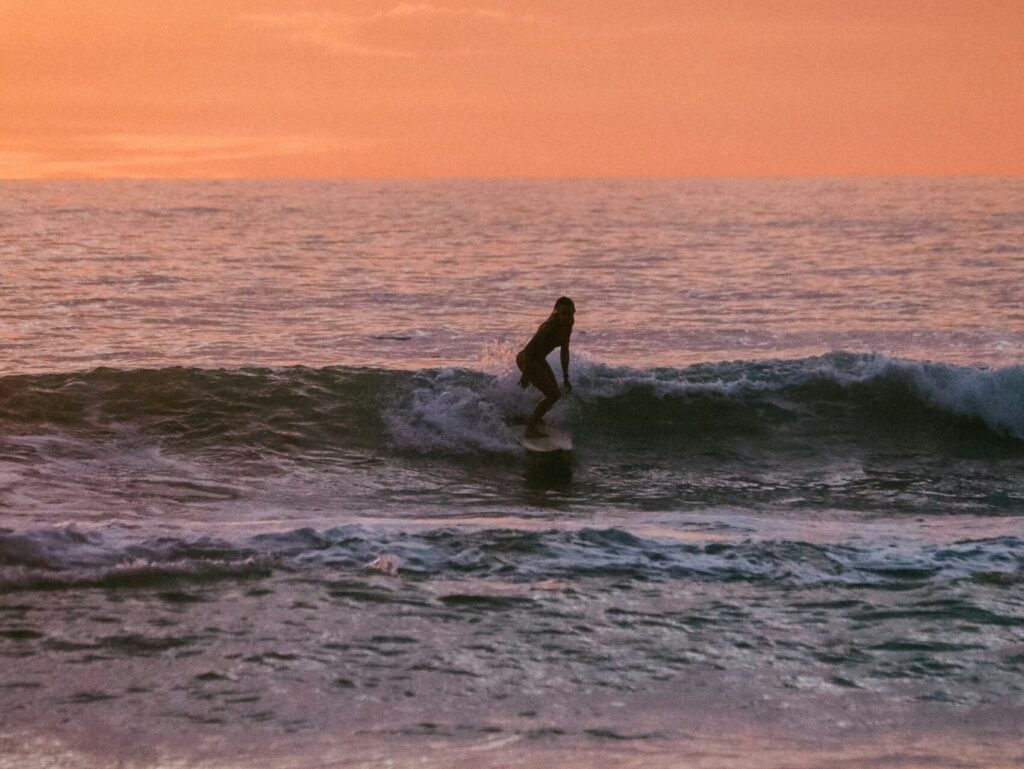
x: 555, y: 440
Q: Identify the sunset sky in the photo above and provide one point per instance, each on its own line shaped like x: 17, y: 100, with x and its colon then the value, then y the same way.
x: 533, y: 88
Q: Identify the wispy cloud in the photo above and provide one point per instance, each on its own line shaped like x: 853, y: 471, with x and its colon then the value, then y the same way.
x: 143, y: 155
x: 409, y: 30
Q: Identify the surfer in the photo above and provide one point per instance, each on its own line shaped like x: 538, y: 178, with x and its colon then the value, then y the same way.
x: 532, y: 361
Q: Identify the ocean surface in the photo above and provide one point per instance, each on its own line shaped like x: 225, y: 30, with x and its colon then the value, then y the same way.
x: 262, y: 501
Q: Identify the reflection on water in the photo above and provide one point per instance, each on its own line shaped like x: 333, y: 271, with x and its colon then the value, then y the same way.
x: 417, y: 274
x: 548, y: 470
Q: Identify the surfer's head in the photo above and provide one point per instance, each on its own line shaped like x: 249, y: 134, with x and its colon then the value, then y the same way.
x: 565, y: 309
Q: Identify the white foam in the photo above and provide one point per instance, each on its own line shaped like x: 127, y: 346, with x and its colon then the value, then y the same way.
x: 444, y: 413
x: 994, y: 396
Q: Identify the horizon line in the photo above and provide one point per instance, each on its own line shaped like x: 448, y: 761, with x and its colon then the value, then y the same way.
x: 525, y: 177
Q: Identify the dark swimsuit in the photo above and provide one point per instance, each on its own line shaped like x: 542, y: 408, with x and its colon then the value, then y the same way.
x: 532, y: 360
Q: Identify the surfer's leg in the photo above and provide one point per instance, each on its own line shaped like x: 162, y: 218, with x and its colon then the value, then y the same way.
x: 543, y: 378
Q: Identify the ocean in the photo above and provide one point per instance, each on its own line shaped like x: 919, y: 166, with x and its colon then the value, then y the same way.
x: 262, y: 502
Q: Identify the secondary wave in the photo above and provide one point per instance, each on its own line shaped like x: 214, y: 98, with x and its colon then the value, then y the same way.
x: 67, y: 556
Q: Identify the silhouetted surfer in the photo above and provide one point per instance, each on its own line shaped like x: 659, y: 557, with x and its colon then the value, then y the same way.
x: 532, y: 361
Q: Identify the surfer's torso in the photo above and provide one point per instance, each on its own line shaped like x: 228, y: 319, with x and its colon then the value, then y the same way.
x: 552, y: 333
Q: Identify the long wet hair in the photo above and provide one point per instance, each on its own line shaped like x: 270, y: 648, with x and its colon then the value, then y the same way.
x: 565, y: 300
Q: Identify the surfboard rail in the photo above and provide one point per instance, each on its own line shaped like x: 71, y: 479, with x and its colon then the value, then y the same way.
x: 555, y: 440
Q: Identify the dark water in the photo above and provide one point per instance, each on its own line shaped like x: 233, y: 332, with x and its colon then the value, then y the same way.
x: 261, y: 494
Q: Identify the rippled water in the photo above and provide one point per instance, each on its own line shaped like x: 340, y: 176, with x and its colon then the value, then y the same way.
x: 418, y: 274
x: 262, y: 499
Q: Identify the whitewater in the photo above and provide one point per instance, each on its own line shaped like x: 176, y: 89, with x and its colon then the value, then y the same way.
x: 262, y: 501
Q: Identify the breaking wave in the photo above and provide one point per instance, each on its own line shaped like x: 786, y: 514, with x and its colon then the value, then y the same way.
x: 296, y: 410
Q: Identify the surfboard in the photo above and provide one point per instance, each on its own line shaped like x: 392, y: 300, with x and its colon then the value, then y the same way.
x: 555, y: 440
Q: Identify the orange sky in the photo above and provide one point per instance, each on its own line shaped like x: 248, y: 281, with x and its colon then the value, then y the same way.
x: 360, y: 88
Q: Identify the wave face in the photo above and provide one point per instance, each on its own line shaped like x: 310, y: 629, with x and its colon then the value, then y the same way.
x: 835, y: 396
x: 277, y: 409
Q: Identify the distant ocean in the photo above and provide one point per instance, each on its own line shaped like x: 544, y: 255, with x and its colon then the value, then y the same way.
x: 262, y: 502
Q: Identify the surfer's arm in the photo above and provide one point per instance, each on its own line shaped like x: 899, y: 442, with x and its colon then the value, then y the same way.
x: 565, y: 366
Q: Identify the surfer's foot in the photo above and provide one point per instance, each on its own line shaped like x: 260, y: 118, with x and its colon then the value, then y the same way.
x: 534, y: 431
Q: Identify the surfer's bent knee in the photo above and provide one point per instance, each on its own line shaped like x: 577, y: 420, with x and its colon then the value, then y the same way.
x: 550, y: 390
